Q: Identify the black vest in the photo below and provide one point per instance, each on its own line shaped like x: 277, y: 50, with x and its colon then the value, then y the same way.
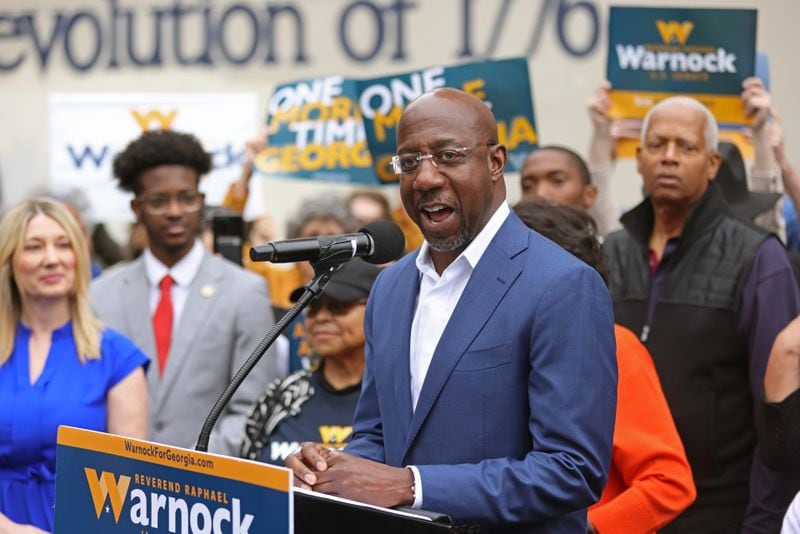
x: 702, y: 360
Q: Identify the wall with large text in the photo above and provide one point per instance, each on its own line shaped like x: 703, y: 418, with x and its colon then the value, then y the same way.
x: 64, y: 46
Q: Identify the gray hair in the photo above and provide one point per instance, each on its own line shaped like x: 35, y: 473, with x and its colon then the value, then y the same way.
x: 711, y: 130
x: 325, y: 206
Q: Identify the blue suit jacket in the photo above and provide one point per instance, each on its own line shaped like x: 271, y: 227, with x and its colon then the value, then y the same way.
x: 514, y: 423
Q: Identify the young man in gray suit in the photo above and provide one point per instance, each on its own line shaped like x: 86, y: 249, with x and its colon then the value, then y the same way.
x: 198, y: 316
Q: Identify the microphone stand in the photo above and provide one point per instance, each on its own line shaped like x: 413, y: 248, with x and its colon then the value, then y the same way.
x: 323, y: 270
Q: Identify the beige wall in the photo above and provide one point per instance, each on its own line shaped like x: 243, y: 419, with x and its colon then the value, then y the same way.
x: 432, y: 35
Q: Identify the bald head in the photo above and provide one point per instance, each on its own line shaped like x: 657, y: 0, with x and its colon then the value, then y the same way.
x: 457, y: 184
x: 477, y: 116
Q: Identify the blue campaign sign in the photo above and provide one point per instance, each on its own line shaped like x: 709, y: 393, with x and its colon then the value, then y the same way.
x: 693, y: 50
x: 109, y: 484
x: 316, y: 133
x: 343, y: 130
x: 656, y: 52
x: 504, y: 85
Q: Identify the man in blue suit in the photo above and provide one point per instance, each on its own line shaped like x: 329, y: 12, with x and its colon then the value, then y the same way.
x: 490, y: 387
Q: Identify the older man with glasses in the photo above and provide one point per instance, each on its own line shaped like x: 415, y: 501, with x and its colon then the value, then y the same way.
x: 197, y: 316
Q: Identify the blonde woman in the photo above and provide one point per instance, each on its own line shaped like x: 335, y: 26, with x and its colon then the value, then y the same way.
x: 58, y: 365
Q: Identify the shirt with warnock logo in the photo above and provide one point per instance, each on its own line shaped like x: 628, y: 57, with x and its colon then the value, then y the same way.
x: 326, y: 418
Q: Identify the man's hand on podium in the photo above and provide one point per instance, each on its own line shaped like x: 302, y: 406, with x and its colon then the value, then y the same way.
x: 344, y: 475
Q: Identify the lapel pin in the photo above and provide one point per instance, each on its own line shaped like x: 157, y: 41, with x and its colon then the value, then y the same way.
x: 207, y: 291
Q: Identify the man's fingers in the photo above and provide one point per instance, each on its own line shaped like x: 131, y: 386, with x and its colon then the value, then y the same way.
x: 315, y: 455
x: 298, y: 483
x: 333, y: 456
x: 311, y: 457
x: 329, y: 487
x: 297, y: 463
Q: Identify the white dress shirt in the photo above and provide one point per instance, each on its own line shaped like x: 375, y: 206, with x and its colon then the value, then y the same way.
x: 182, y: 273
x: 438, y: 297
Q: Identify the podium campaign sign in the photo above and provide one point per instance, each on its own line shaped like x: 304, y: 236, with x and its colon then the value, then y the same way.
x: 343, y: 130
x: 107, y: 483
x: 655, y: 53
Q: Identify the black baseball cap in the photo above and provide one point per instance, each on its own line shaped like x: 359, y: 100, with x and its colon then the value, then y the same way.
x: 351, y: 282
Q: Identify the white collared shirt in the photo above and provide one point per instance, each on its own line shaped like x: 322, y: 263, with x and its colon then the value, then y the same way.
x: 438, y: 296
x: 437, y: 299
x: 183, y: 273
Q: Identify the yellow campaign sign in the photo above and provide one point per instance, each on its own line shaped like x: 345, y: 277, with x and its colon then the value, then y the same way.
x: 726, y: 109
x: 742, y: 141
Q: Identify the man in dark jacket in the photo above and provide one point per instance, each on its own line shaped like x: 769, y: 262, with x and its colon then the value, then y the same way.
x: 707, y: 294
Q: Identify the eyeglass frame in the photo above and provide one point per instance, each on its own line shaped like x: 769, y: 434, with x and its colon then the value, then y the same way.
x: 147, y: 203
x: 464, y: 152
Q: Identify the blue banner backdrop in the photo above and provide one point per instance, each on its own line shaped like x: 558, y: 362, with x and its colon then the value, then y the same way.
x: 343, y: 130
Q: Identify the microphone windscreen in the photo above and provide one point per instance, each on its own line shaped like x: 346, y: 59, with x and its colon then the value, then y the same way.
x: 387, y: 239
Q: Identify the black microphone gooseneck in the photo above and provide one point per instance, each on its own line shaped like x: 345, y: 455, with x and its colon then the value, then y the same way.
x: 313, y: 289
x: 378, y: 242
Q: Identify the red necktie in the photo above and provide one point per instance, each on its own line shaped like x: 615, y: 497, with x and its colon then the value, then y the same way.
x: 162, y: 322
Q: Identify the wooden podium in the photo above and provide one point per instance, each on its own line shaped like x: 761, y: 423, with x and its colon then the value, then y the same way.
x: 109, y: 484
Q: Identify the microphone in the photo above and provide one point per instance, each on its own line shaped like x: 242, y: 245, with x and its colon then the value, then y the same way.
x: 378, y: 242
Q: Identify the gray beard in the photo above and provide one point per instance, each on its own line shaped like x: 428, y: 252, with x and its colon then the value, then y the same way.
x: 452, y: 244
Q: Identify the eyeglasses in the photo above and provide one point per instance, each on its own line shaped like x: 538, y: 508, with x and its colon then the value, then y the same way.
x: 188, y: 202
x: 335, y: 307
x: 445, y: 157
